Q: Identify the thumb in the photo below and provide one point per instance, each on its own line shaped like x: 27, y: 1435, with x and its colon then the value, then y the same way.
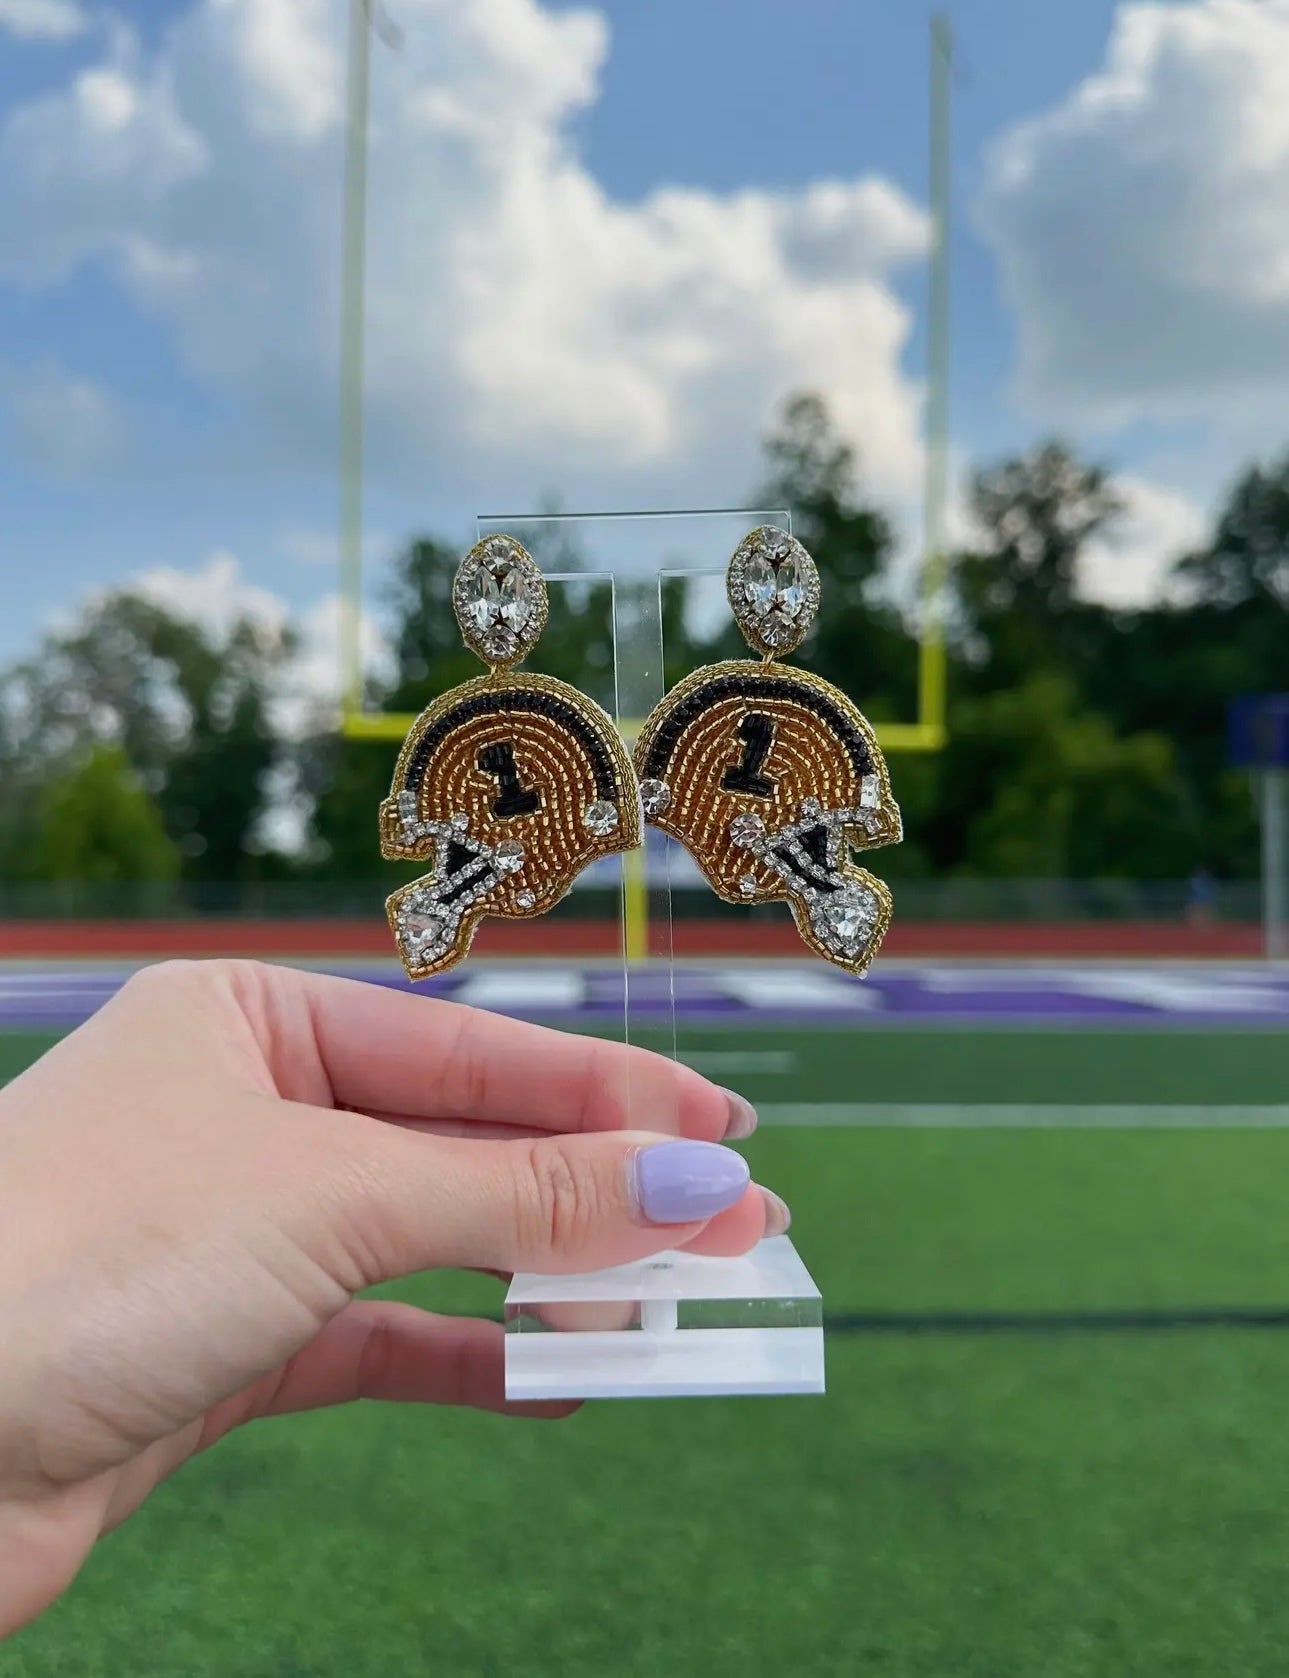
x: 558, y: 1204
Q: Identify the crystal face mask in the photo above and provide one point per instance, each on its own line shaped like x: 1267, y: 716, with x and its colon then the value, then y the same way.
x: 508, y: 785
x: 770, y: 776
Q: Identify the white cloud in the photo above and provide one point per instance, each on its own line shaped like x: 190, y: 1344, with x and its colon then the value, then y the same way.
x: 217, y: 596
x: 42, y: 20
x: 1129, y: 564
x: 1143, y: 223
x: 526, y: 330
x: 86, y: 171
x: 313, y: 683
x: 304, y: 698
x: 286, y: 58
x: 58, y: 423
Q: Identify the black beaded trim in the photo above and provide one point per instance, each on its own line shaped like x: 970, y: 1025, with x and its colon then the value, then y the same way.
x: 753, y: 687
x: 506, y: 701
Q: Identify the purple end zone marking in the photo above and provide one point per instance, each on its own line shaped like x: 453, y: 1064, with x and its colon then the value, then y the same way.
x: 749, y: 993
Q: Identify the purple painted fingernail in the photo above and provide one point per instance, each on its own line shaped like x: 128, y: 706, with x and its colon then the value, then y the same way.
x: 680, y: 1182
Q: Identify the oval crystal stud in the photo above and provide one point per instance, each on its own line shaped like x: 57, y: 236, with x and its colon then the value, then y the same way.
x: 498, y: 590
x: 747, y: 828
x: 499, y: 597
x: 773, y: 587
x: 773, y: 584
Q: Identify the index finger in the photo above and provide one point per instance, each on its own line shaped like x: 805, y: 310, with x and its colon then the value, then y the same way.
x: 387, y: 1051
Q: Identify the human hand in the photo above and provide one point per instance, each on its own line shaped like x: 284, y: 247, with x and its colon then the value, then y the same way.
x: 195, y: 1184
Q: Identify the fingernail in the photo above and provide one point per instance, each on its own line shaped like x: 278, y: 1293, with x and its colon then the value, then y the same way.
x: 742, y: 1116
x: 680, y: 1182
x: 777, y: 1215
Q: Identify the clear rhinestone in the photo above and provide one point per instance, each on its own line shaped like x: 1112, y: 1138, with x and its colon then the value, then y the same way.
x: 500, y: 643
x: 870, y: 793
x: 811, y: 809
x: 497, y: 592
x: 524, y: 899
x: 655, y: 796
x: 772, y: 584
x: 845, y: 920
x: 601, y: 817
x: 509, y: 855
x: 776, y: 542
x: 747, y: 828
x: 461, y: 821
x: 409, y: 817
x: 758, y: 585
x: 747, y: 885
x: 425, y: 930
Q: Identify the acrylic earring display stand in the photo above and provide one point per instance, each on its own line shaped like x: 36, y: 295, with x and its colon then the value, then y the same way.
x: 676, y: 1325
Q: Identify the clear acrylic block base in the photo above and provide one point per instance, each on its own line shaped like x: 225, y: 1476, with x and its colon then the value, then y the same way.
x: 674, y: 1326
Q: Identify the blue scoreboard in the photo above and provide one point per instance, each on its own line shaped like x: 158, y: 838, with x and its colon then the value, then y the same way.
x: 1258, y: 731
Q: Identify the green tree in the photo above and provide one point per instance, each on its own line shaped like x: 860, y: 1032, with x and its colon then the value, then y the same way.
x: 1247, y: 562
x: 860, y: 640
x: 1018, y: 592
x: 97, y: 824
x: 1035, y: 784
x: 189, y: 711
x: 1223, y: 632
x: 1037, y: 512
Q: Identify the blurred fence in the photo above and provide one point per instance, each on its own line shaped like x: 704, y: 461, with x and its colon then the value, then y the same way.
x: 940, y: 900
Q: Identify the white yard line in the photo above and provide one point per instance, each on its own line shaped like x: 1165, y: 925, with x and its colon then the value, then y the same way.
x: 747, y: 1060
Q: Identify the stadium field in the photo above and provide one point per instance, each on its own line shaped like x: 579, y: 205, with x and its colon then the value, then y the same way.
x: 1052, y: 1445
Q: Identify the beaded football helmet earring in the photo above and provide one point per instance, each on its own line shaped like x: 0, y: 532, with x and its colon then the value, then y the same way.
x: 770, y: 776
x: 509, y: 785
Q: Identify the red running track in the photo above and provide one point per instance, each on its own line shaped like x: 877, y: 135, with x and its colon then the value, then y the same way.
x: 370, y: 937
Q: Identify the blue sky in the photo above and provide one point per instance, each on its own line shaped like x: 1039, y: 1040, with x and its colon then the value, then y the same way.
x: 605, y: 242
x: 847, y: 83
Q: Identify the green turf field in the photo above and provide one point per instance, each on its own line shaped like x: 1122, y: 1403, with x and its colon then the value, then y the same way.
x: 982, y: 1505
x: 962, y: 1064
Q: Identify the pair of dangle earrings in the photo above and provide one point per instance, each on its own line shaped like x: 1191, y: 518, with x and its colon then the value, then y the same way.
x: 511, y: 784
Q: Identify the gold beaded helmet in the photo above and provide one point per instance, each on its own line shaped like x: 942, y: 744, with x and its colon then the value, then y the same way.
x: 769, y: 775
x: 509, y: 785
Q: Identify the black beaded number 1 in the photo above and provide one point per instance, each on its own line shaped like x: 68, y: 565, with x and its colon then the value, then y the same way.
x: 757, y: 734
x: 515, y: 798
